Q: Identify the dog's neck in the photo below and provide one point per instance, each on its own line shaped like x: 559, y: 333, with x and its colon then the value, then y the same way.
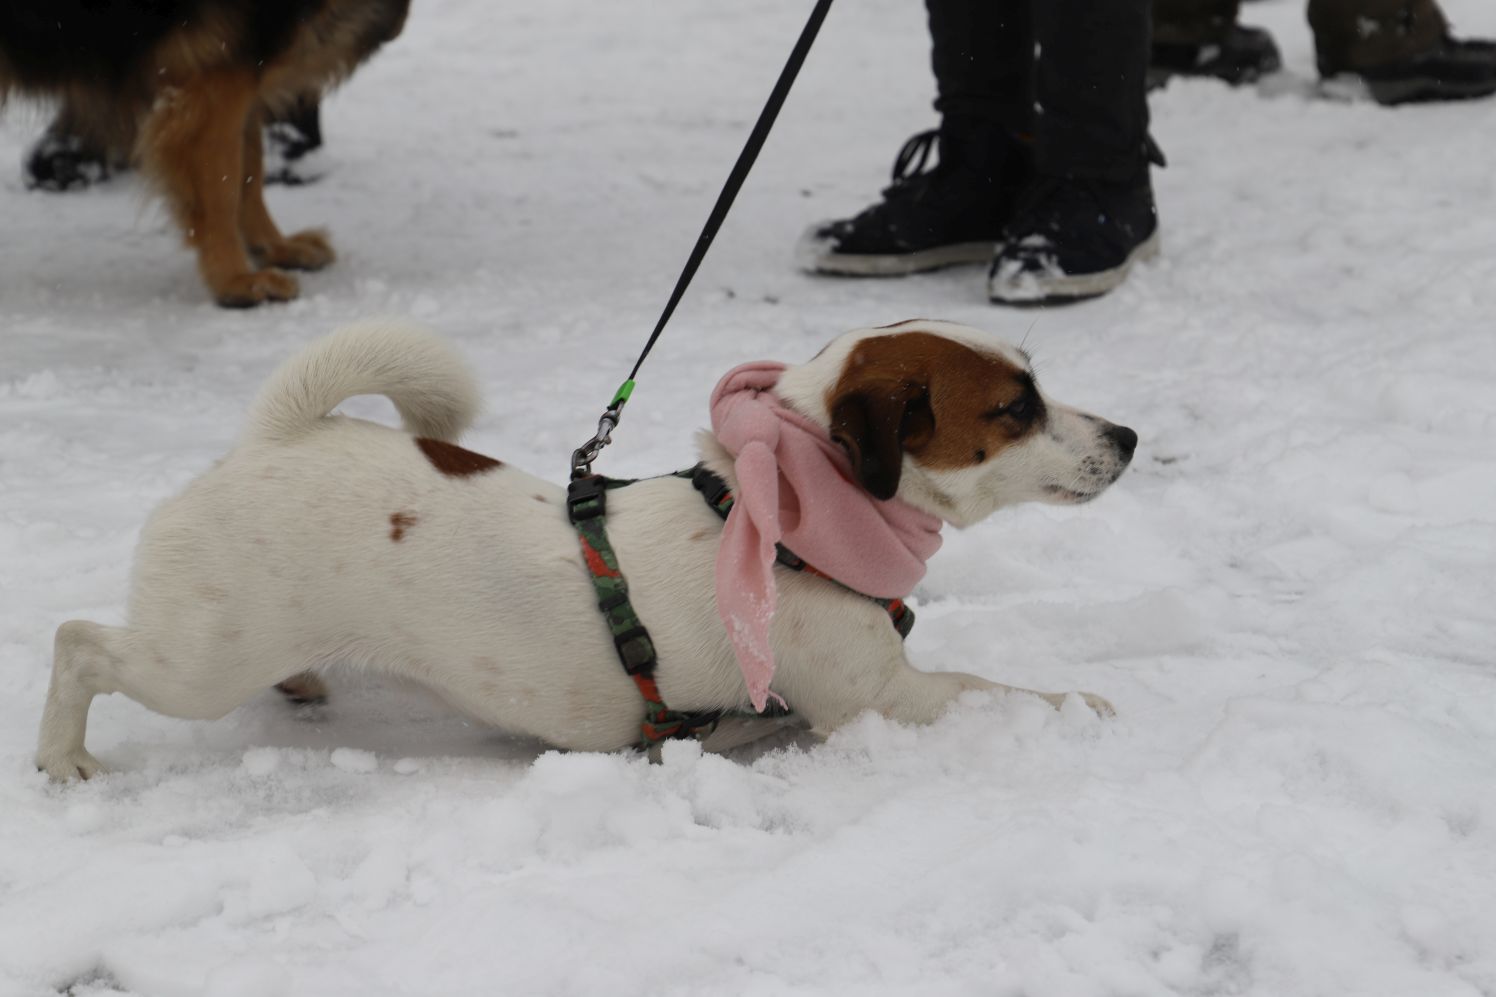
x: 715, y: 458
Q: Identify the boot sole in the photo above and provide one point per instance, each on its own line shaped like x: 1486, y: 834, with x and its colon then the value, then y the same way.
x: 1036, y: 289
x: 1416, y: 90
x: 815, y: 255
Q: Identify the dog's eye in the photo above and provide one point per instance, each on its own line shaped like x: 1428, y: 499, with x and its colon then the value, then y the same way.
x: 1021, y: 410
x: 981, y: 456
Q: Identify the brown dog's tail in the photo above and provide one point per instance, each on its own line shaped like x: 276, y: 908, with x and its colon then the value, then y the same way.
x: 418, y: 371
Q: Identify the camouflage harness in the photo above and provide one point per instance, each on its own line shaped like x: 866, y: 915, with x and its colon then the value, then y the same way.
x: 586, y: 507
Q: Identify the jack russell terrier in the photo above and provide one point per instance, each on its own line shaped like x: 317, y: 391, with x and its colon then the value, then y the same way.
x: 322, y: 539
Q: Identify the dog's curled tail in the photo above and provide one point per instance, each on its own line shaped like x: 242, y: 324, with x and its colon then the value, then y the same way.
x: 418, y: 371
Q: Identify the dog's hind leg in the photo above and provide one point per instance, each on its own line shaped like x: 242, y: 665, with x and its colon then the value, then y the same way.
x: 307, y: 250
x: 166, y: 673
x: 85, y: 657
x: 192, y: 144
x: 303, y: 689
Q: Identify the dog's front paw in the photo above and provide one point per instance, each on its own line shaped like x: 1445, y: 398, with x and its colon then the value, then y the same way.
x: 67, y: 766
x: 246, y: 290
x: 307, y: 250
x: 1100, y: 706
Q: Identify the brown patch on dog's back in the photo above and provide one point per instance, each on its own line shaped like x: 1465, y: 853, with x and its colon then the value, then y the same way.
x: 454, y: 461
x: 399, y: 523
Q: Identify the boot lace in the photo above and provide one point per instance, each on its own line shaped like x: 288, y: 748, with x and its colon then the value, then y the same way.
x: 915, y: 156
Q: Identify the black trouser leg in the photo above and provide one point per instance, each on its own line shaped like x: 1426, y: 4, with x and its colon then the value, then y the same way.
x: 1193, y: 22
x: 1088, y: 79
x: 982, y: 51
x: 1090, y: 74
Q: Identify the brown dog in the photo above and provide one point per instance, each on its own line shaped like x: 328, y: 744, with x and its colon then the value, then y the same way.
x: 188, y: 83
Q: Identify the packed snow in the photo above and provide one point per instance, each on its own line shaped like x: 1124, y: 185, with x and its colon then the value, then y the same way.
x: 1289, y: 597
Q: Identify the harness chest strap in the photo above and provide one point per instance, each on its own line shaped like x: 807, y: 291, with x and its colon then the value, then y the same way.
x: 586, y: 507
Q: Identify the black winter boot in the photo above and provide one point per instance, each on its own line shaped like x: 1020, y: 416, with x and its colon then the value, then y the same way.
x: 953, y: 212
x: 63, y: 161
x: 1074, y: 238
x: 289, y: 140
x: 1456, y: 70
x: 1243, y: 56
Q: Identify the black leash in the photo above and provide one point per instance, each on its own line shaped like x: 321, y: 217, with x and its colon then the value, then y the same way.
x: 583, y: 456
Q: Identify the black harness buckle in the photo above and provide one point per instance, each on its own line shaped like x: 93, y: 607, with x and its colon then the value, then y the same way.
x: 711, y: 487
x: 587, y: 498
x: 636, y: 650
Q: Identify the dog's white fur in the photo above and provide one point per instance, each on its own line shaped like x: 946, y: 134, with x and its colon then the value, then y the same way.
x: 288, y: 556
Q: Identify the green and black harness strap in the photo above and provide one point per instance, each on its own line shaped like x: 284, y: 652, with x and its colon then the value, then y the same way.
x: 586, y: 506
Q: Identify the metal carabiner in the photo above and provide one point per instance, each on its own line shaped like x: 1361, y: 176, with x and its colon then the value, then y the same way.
x: 583, y: 456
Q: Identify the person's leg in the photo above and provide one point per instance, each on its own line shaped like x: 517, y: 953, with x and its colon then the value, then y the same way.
x: 1203, y: 38
x: 1400, y: 50
x: 982, y: 57
x: 1091, y: 104
x: 82, y: 146
x: 954, y: 211
x: 1089, y: 216
x: 291, y: 134
x: 1193, y: 22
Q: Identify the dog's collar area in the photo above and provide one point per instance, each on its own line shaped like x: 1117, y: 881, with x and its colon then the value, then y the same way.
x: 586, y: 507
x: 720, y: 498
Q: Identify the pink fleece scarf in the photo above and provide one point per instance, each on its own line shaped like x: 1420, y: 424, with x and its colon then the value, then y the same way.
x: 796, y: 487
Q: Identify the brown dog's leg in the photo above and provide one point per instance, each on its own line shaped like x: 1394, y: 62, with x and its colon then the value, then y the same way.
x: 303, y: 251
x: 193, y: 145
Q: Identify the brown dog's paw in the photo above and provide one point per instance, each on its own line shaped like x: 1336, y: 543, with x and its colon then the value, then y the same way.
x: 307, y: 250
x: 246, y: 290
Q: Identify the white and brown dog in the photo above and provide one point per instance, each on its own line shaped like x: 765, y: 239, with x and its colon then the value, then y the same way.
x: 323, y: 539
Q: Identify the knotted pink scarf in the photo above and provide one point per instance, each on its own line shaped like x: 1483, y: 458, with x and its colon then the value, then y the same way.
x: 796, y: 487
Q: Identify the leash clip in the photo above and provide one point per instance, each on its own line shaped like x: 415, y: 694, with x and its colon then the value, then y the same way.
x: 583, y: 456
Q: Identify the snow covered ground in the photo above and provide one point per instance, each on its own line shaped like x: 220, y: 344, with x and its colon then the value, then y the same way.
x: 1290, y: 597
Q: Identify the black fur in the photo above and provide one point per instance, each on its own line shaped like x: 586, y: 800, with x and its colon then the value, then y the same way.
x: 47, y: 44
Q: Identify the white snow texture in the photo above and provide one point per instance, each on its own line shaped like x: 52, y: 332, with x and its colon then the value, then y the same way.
x: 1289, y: 598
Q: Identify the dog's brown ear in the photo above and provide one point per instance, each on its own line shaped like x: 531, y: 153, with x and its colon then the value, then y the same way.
x: 876, y: 423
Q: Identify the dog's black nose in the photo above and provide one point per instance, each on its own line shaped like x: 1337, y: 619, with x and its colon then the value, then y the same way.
x: 1125, y: 439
